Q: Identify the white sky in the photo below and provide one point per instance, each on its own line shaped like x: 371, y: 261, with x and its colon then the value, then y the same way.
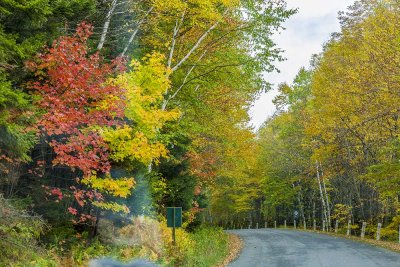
x: 304, y: 36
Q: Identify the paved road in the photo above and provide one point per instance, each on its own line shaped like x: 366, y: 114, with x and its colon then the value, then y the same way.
x: 285, y: 248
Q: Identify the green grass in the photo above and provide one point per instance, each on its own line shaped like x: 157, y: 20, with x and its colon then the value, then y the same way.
x: 210, y: 248
x: 28, y: 241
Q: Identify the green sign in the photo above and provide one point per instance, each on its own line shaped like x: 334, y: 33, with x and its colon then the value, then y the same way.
x: 174, y: 216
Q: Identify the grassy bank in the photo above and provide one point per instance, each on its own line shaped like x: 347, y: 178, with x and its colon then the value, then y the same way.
x: 26, y: 240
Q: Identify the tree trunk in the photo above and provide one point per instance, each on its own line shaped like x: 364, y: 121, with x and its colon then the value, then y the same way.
x: 106, y: 25
x: 325, y: 214
x: 326, y: 199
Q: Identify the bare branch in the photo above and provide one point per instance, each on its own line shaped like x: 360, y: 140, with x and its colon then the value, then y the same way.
x: 135, y: 32
x: 178, y: 24
x: 165, y: 102
x: 197, y: 44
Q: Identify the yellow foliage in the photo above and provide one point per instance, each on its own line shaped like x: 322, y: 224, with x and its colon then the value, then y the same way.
x: 183, y: 240
x: 127, y: 144
x: 201, y: 11
x: 116, y: 187
x: 355, y: 88
x: 111, y: 206
x: 144, y: 87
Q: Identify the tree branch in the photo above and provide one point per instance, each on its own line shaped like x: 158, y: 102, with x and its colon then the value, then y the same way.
x: 197, y: 44
x: 165, y: 102
x: 178, y: 24
x: 135, y: 32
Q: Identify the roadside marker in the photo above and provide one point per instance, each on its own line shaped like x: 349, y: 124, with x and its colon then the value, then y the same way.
x: 364, y: 224
x: 378, y: 232
x: 348, y: 227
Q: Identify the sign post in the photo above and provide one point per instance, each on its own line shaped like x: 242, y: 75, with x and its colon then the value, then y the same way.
x: 174, y: 219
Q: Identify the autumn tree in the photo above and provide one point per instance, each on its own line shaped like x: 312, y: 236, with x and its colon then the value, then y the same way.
x: 357, y: 70
x: 97, y: 116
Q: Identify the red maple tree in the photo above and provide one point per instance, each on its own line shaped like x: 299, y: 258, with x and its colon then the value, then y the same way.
x: 77, y: 98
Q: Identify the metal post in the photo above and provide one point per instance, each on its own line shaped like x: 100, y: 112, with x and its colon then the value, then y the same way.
x: 275, y: 224
x: 294, y: 224
x: 348, y: 227
x: 284, y: 224
x: 315, y: 225
x: 305, y: 225
x: 336, y: 226
x: 173, y: 230
x: 364, y: 224
x: 378, y: 232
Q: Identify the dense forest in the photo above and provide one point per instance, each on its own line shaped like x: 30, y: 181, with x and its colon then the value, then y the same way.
x: 113, y: 110
x: 331, y: 151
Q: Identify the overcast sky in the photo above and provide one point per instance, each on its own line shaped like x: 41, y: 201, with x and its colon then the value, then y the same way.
x: 304, y: 36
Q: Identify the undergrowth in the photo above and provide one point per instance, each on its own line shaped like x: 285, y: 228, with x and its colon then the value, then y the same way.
x: 26, y: 240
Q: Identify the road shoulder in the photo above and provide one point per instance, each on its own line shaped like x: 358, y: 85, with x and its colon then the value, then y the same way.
x: 390, y: 245
x: 235, y: 247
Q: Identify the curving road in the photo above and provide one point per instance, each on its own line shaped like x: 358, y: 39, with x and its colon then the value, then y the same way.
x: 285, y: 248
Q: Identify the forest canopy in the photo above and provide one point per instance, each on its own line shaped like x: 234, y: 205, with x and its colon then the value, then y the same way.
x: 112, y: 111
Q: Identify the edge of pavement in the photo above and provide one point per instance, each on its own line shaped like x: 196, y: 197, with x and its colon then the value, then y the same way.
x: 235, y: 246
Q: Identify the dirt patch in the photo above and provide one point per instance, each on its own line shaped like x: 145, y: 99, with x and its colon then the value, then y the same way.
x: 235, y: 247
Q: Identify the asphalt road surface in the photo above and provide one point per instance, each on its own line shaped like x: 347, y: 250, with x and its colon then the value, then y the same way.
x: 285, y: 248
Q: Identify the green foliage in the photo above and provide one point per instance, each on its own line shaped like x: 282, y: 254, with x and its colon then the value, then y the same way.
x: 210, y: 248
x: 183, y: 105
x: 342, y: 213
x: 19, y: 233
x: 82, y: 252
x: 16, y: 114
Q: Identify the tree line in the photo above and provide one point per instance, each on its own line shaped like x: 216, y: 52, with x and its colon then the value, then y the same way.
x: 331, y: 151
x: 113, y: 109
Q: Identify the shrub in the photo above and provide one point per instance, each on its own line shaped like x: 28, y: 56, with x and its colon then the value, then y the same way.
x: 19, y: 234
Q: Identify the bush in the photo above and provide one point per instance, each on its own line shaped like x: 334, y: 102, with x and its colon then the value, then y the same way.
x: 19, y: 234
x: 210, y: 247
x: 143, y: 238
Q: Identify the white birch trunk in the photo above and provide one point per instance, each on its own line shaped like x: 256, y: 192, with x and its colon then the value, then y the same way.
x: 133, y: 35
x: 178, y: 24
x: 322, y: 194
x: 328, y: 209
x: 196, y: 45
x: 106, y: 25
